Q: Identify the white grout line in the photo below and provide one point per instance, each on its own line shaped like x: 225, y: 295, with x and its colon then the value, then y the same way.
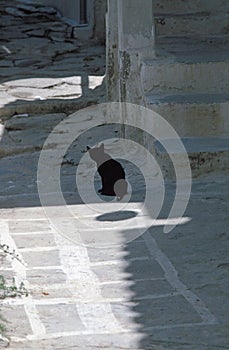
x: 20, y: 271
x: 99, y: 317
x: 38, y: 249
x: 172, y: 277
x: 72, y: 284
x: 31, y: 233
x: 44, y: 268
x: 77, y: 216
x: 178, y: 325
x: 118, y: 262
x: 30, y: 219
x: 131, y: 282
x: 97, y: 301
x: 79, y: 333
x: 104, y: 332
x: 98, y: 263
x: 54, y: 286
x: 33, y: 194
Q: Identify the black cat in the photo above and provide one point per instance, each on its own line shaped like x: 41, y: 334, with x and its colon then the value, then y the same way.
x: 111, y: 172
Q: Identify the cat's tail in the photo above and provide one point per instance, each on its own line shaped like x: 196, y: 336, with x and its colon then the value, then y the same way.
x: 120, y: 188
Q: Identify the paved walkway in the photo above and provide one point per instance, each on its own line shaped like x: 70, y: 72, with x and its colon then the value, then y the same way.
x: 42, y: 67
x: 159, y: 291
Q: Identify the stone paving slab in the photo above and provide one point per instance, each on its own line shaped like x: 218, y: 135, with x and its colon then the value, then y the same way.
x: 26, y: 227
x: 39, y: 240
x: 43, y: 258
x: 45, y: 278
x: 152, y: 313
x: 142, y: 269
x: 12, y: 315
x: 51, y: 315
x: 142, y: 288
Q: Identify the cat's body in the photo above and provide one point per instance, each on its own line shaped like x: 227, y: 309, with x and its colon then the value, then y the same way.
x: 111, y: 172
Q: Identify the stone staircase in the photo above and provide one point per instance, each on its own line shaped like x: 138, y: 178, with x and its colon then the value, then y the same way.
x: 187, y: 82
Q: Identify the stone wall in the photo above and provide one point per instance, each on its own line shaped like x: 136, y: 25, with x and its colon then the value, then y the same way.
x: 96, y: 10
x: 69, y: 8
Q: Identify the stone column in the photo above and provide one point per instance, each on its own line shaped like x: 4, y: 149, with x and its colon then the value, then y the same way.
x: 136, y: 25
x: 136, y: 41
x: 130, y: 37
x: 112, y: 56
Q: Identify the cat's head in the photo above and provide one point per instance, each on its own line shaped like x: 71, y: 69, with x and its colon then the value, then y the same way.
x: 96, y: 153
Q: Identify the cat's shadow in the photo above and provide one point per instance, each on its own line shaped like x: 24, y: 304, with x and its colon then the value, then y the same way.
x: 117, y: 215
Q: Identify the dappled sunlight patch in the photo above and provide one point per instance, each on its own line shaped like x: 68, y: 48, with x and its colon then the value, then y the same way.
x: 95, y: 81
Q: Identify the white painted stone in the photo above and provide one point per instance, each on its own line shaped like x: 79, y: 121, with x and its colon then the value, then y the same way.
x: 207, y: 154
x: 175, y: 74
x: 193, y: 24
x: 62, y: 91
x: 189, y: 7
x: 95, y: 81
x: 42, y: 82
x: 193, y: 114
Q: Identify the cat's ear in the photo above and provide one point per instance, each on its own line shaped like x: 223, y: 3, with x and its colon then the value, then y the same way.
x: 102, y: 147
x: 88, y: 148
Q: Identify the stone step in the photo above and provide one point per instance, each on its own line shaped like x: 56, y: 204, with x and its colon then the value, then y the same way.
x: 193, y: 114
x: 186, y: 7
x: 206, y: 155
x: 45, y: 107
x: 201, y: 72
x: 211, y: 44
x: 192, y: 24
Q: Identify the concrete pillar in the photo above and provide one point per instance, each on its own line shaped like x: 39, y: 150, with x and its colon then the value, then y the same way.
x: 112, y: 49
x: 130, y: 37
x: 136, y: 24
